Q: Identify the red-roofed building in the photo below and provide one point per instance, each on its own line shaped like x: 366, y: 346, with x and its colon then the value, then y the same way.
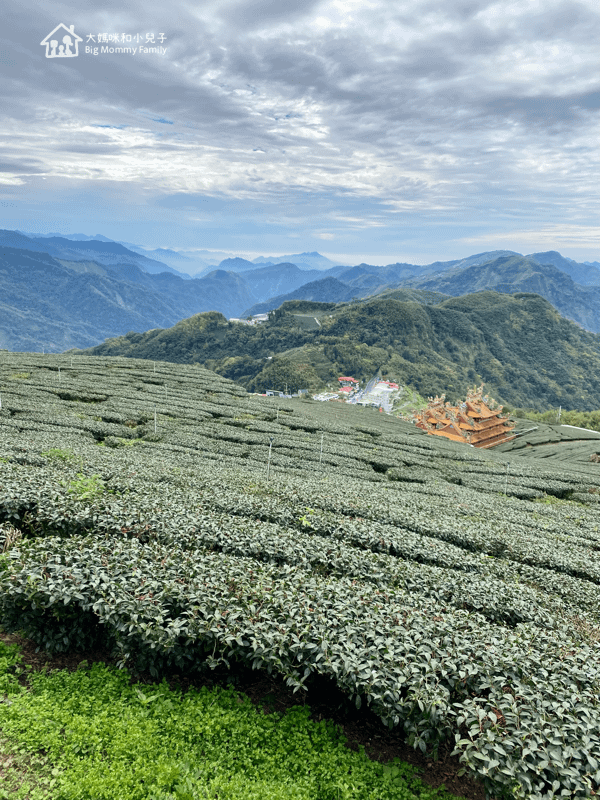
x: 348, y: 382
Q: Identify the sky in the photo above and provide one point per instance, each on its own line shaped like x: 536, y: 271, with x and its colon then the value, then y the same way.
x: 376, y: 131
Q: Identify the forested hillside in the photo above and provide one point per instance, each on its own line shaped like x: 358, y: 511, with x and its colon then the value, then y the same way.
x: 524, y: 351
x: 516, y: 273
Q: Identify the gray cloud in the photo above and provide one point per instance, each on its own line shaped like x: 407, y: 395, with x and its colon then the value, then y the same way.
x: 546, y: 110
x: 250, y: 14
x: 16, y: 167
x: 427, y: 107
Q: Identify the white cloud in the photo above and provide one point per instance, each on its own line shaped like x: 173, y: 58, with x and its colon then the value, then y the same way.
x: 435, y: 111
x: 581, y: 237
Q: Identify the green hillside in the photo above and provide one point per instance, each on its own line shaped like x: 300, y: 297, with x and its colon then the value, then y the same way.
x: 516, y: 273
x: 161, y: 513
x: 524, y: 351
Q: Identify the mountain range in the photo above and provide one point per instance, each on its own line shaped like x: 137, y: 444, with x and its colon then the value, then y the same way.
x: 59, y: 291
x: 527, y: 354
x: 548, y: 274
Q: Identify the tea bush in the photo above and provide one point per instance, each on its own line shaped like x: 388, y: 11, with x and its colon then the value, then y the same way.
x: 415, y: 573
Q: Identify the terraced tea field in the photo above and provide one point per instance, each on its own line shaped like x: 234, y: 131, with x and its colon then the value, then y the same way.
x: 160, y: 510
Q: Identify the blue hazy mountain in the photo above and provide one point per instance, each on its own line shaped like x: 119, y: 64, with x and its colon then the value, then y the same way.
x: 499, y: 271
x: 77, y: 237
x: 518, y: 274
x: 53, y: 302
x: 237, y: 265
x: 99, y: 247
x: 308, y: 260
x: 108, y: 253
x: 585, y: 274
x: 325, y: 290
x: 112, y: 270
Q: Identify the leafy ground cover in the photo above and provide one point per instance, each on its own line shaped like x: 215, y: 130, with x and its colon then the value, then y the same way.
x: 580, y: 419
x: 453, y: 593
x: 93, y: 733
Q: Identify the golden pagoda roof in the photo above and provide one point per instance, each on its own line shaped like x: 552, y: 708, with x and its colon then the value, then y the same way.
x: 477, y: 421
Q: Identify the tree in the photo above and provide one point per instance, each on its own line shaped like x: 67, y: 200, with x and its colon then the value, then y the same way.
x: 282, y: 371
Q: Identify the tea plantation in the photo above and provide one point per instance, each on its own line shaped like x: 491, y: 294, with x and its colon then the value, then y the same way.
x: 160, y: 510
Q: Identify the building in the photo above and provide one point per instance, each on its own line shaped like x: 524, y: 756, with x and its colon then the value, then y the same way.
x: 476, y: 421
x: 346, y: 381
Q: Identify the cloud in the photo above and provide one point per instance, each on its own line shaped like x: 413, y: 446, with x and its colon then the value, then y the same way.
x: 15, y: 167
x: 581, y: 237
x: 445, y: 116
x: 260, y: 13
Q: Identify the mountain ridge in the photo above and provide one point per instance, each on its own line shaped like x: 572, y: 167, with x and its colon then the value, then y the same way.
x: 527, y: 354
x: 259, y: 287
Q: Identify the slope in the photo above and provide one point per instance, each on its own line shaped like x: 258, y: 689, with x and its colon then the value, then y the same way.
x: 325, y: 290
x: 518, y: 274
x: 56, y: 303
x: 413, y: 577
x: 52, y: 304
x: 585, y: 274
x: 524, y: 351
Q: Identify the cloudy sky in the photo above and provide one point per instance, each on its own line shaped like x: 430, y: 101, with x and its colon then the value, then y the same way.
x: 376, y: 130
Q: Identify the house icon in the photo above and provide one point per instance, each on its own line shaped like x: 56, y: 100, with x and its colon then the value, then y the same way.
x: 60, y: 41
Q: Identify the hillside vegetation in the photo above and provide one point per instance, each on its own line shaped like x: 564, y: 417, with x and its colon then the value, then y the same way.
x: 518, y: 345
x: 60, y: 292
x: 160, y: 511
x: 572, y: 288
x: 515, y: 273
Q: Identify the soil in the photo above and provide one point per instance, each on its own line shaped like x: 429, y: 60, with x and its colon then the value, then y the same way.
x: 361, y: 728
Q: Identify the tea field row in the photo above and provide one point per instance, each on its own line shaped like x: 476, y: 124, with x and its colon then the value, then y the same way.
x: 452, y: 591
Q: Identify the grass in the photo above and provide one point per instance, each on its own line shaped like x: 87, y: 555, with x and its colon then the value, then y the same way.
x: 59, y: 454
x: 86, y: 488
x: 92, y: 733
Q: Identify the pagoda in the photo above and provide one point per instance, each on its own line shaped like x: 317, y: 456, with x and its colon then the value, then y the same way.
x: 477, y: 421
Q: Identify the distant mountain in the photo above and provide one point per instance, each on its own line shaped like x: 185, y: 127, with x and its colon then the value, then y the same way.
x: 20, y: 240
x: 220, y: 290
x: 326, y: 290
x: 267, y: 281
x: 165, y: 256
x: 108, y: 253
x: 519, y: 345
x: 52, y: 304
x: 168, y: 255
x: 510, y: 274
x: 55, y: 303
x: 78, y: 237
x: 239, y: 286
x: 584, y: 274
x: 311, y: 260
x: 365, y: 277
x: 470, y: 261
x: 236, y: 265
x: 346, y: 283
x: 165, y: 253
